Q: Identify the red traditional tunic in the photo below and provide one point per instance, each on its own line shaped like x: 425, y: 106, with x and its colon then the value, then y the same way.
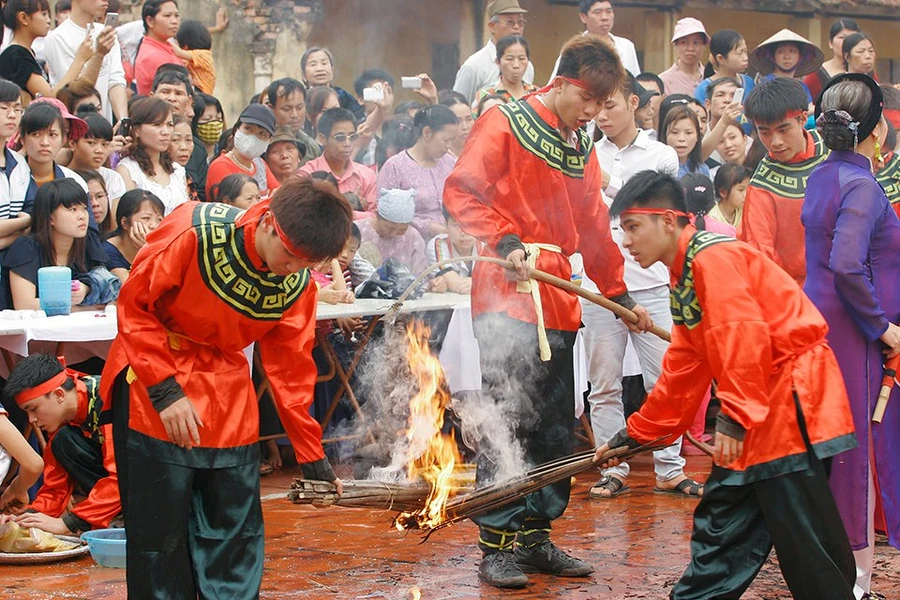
x: 771, y: 221
x: 197, y: 295
x: 889, y: 178
x: 516, y: 175
x: 102, y: 503
x: 746, y: 324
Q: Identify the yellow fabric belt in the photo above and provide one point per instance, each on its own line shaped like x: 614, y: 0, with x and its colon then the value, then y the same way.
x: 531, y: 287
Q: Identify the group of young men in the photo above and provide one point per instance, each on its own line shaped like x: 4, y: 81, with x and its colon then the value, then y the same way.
x: 212, y: 280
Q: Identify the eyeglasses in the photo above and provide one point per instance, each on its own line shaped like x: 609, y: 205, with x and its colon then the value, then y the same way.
x: 343, y: 137
x: 514, y: 22
x: 11, y: 109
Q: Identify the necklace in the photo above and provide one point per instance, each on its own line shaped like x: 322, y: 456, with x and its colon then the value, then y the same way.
x: 234, y: 158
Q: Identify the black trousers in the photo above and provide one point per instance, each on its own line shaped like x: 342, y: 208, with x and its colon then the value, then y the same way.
x: 80, y: 456
x: 539, y: 399
x: 736, y: 526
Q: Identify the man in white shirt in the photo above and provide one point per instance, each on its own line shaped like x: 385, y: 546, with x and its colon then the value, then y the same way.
x: 481, y: 69
x: 63, y: 41
x: 598, y: 17
x: 624, y: 151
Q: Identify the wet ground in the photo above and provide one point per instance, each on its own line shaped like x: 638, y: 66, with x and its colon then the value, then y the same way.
x: 638, y: 543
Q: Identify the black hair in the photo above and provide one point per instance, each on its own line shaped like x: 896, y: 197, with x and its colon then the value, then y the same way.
x: 860, y: 98
x: 721, y: 42
x: 594, y: 62
x: 484, y: 100
x: 404, y: 107
x: 728, y: 176
x: 284, y: 87
x: 314, y: 216
x: 315, y: 103
x: 332, y: 117
x: 151, y: 9
x: 62, y: 5
x: 585, y: 6
x: 230, y: 188
x: 324, y: 176
x: 673, y: 100
x: 201, y: 102
x: 451, y: 98
x: 435, y: 117
x: 98, y: 127
x: 39, y: 116
x: 771, y: 101
x: 674, y: 115
x: 53, y: 194
x: 355, y: 233
x: 193, y: 35
x: 511, y: 40
x: 131, y: 202
x: 699, y: 196
x: 840, y: 25
x: 76, y: 91
x: 91, y: 175
x: 650, y: 189
x: 851, y: 42
x: 370, y: 76
x: 173, y: 75
x: 720, y: 82
x: 648, y: 76
x: 12, y: 8
x: 31, y: 372
x: 9, y: 92
x: 398, y: 133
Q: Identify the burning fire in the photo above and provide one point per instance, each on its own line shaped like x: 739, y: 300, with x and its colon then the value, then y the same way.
x: 415, y: 593
x: 432, y: 454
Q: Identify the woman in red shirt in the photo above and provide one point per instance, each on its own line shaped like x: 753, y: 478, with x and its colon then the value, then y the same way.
x: 161, y: 21
x: 252, y: 133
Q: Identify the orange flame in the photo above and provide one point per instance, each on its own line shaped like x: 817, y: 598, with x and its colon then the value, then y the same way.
x: 415, y: 593
x: 433, y: 455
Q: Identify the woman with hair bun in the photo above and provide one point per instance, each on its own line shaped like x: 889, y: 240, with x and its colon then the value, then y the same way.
x: 853, y: 278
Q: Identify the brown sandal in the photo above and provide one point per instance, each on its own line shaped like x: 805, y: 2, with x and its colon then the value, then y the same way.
x: 613, y: 485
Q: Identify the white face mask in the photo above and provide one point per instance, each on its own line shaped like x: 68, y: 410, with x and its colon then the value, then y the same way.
x: 249, y: 145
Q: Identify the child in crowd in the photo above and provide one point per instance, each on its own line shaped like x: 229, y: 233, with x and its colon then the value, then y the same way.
x: 237, y: 189
x: 388, y: 234
x: 14, y: 174
x: 787, y: 54
x: 139, y: 212
x: 90, y: 152
x: 701, y: 199
x: 731, y: 188
x: 337, y: 132
x: 681, y: 130
x: 456, y: 277
x: 59, y: 237
x: 727, y: 58
x: 193, y: 45
x: 79, y: 455
x: 14, y: 447
x: 100, y: 205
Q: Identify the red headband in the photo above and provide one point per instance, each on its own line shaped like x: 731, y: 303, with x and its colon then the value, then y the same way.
x: 576, y: 82
x: 655, y: 211
x: 44, y: 388
x: 288, y: 244
x: 794, y: 114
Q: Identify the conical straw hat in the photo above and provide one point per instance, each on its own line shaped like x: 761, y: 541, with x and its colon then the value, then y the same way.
x: 811, y: 57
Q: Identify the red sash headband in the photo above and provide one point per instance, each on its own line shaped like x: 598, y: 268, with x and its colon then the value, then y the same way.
x: 44, y: 388
x: 794, y: 114
x: 655, y: 211
x: 576, y: 82
x: 288, y: 244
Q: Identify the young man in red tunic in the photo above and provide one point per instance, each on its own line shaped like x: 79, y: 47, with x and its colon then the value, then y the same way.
x: 528, y: 185
x: 211, y: 281
x: 79, y: 454
x: 741, y: 320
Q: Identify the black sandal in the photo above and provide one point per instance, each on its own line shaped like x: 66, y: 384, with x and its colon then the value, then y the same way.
x: 614, y: 485
x: 688, y: 488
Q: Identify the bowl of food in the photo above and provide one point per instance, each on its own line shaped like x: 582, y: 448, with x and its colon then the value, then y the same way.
x: 107, y: 547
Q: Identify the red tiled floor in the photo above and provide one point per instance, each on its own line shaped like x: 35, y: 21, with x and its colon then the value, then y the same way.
x: 638, y: 542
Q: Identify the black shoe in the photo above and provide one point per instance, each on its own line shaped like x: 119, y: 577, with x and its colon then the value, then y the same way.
x: 547, y: 558
x: 499, y: 569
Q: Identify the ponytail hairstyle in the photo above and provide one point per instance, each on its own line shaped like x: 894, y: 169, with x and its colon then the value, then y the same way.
x: 435, y: 117
x: 397, y: 135
x: 722, y: 42
x: 699, y: 196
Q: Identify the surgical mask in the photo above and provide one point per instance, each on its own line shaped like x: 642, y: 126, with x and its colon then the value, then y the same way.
x: 210, y: 132
x: 249, y: 145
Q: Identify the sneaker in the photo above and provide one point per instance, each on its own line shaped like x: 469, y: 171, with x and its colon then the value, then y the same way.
x: 499, y: 569
x: 547, y: 558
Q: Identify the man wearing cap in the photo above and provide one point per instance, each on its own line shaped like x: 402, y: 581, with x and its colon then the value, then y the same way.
x: 598, y: 17
x: 388, y: 234
x: 252, y: 133
x: 79, y: 454
x: 211, y: 281
x: 690, y: 40
x: 283, y: 153
x: 624, y: 151
x: 528, y: 185
x: 771, y: 221
x: 481, y: 69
